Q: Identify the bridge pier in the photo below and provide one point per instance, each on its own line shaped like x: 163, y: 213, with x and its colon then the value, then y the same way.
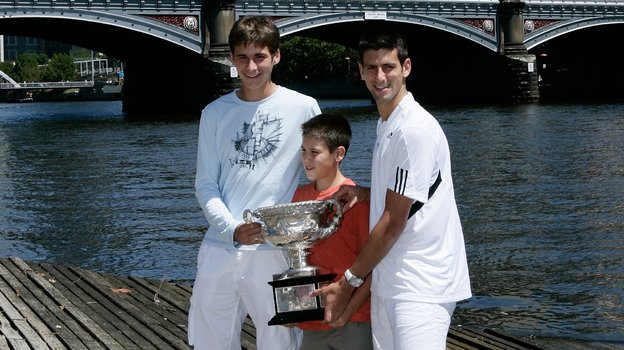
x: 220, y: 17
x: 521, y: 66
x: 200, y: 78
x: 149, y: 92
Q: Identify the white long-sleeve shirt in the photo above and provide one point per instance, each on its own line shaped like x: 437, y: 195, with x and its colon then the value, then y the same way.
x: 248, y: 157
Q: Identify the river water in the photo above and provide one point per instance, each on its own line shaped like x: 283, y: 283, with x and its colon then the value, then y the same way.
x: 539, y: 189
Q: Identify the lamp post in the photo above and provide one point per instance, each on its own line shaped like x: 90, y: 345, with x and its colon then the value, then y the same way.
x: 92, y: 69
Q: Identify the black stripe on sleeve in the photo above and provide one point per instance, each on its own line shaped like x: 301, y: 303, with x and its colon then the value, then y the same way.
x: 400, y: 181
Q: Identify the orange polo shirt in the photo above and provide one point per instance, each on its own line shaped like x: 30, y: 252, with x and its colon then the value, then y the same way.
x: 336, y: 253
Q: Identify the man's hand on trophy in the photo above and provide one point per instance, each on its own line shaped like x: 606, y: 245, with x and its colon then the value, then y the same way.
x: 336, y: 296
x: 248, y: 233
x: 349, y: 196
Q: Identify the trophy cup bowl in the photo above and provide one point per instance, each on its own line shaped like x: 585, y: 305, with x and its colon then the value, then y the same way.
x: 295, y: 227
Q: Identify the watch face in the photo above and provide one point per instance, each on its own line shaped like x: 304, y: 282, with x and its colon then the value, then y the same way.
x: 355, y: 281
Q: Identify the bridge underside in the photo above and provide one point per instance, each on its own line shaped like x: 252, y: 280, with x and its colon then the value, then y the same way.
x: 445, y: 67
x: 162, y: 77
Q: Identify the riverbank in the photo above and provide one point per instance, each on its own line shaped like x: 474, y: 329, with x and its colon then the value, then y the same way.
x: 100, y: 92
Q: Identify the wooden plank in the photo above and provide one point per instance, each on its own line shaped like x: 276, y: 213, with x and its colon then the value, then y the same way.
x: 47, y: 311
x: 47, y: 335
x: 248, y: 335
x: 89, y: 332
x: 15, y: 318
x: 48, y: 306
x: 113, y: 298
x: 158, y: 335
x: 508, y: 339
x: 101, y: 312
x: 3, y: 342
x: 13, y: 338
x: 486, y: 340
x: 165, y: 292
x: 169, y: 305
x: 469, y: 340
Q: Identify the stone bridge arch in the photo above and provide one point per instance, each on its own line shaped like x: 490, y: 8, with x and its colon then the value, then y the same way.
x: 111, y: 32
x: 484, y: 37
x: 555, y: 29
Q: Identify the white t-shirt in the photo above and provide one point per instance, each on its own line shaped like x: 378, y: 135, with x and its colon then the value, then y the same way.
x: 248, y: 157
x: 428, y: 261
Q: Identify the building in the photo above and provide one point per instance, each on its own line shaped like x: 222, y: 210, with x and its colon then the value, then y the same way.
x: 12, y: 46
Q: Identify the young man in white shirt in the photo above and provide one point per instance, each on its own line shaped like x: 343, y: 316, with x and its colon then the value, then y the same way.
x: 248, y: 157
x: 415, y: 250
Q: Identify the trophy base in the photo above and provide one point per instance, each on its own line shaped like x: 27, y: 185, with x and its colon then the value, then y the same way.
x: 293, y: 303
x: 296, y: 273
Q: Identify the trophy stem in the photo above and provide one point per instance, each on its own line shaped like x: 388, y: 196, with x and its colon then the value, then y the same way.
x: 298, y: 258
x: 298, y: 264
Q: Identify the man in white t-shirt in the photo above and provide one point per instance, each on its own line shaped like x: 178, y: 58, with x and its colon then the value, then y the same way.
x: 415, y: 250
x: 247, y: 157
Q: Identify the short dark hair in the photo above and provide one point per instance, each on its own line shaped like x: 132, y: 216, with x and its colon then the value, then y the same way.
x: 255, y: 30
x: 383, y: 36
x: 334, y: 129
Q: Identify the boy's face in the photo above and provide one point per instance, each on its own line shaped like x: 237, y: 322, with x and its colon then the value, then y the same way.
x: 385, y: 76
x: 254, y: 65
x: 318, y: 162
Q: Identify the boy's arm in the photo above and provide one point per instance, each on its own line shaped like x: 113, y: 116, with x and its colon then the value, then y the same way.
x: 359, y: 226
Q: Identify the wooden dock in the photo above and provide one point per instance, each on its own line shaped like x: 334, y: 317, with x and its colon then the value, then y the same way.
x: 47, y: 306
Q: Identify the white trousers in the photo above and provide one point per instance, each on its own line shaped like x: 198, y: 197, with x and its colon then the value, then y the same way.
x: 229, y: 285
x: 409, y: 325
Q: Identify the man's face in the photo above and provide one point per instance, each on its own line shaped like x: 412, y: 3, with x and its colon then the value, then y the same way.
x: 254, y: 65
x: 384, y: 76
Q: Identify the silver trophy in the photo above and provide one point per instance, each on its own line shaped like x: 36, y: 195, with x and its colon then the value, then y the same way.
x: 295, y: 227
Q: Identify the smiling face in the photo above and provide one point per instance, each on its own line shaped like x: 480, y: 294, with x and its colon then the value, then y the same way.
x: 385, y: 76
x: 320, y: 164
x: 254, y: 65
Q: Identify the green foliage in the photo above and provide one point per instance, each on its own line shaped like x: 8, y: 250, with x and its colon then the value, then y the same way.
x: 314, y: 60
x: 27, y: 67
x: 81, y: 54
x: 41, y: 58
x: 30, y: 67
x: 61, y: 67
x: 8, y: 68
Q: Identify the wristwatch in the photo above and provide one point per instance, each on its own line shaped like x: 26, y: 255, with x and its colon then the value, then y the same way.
x: 353, y: 280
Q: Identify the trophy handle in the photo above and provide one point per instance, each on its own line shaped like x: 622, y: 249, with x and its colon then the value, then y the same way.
x: 335, y: 223
x: 248, y: 215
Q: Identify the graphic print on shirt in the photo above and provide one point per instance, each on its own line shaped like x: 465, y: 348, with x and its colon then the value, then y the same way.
x: 257, y: 140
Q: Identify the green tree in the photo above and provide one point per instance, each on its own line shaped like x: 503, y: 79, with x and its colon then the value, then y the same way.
x: 314, y: 60
x: 8, y: 68
x: 60, y: 67
x: 27, y: 67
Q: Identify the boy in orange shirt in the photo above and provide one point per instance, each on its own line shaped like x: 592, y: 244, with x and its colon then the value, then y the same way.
x: 326, y: 139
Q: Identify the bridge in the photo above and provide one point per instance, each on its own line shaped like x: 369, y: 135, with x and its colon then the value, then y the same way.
x: 473, y: 50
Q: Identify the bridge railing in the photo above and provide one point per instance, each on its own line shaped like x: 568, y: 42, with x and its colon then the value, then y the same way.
x: 439, y: 7
x: 48, y: 85
x: 152, y: 5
